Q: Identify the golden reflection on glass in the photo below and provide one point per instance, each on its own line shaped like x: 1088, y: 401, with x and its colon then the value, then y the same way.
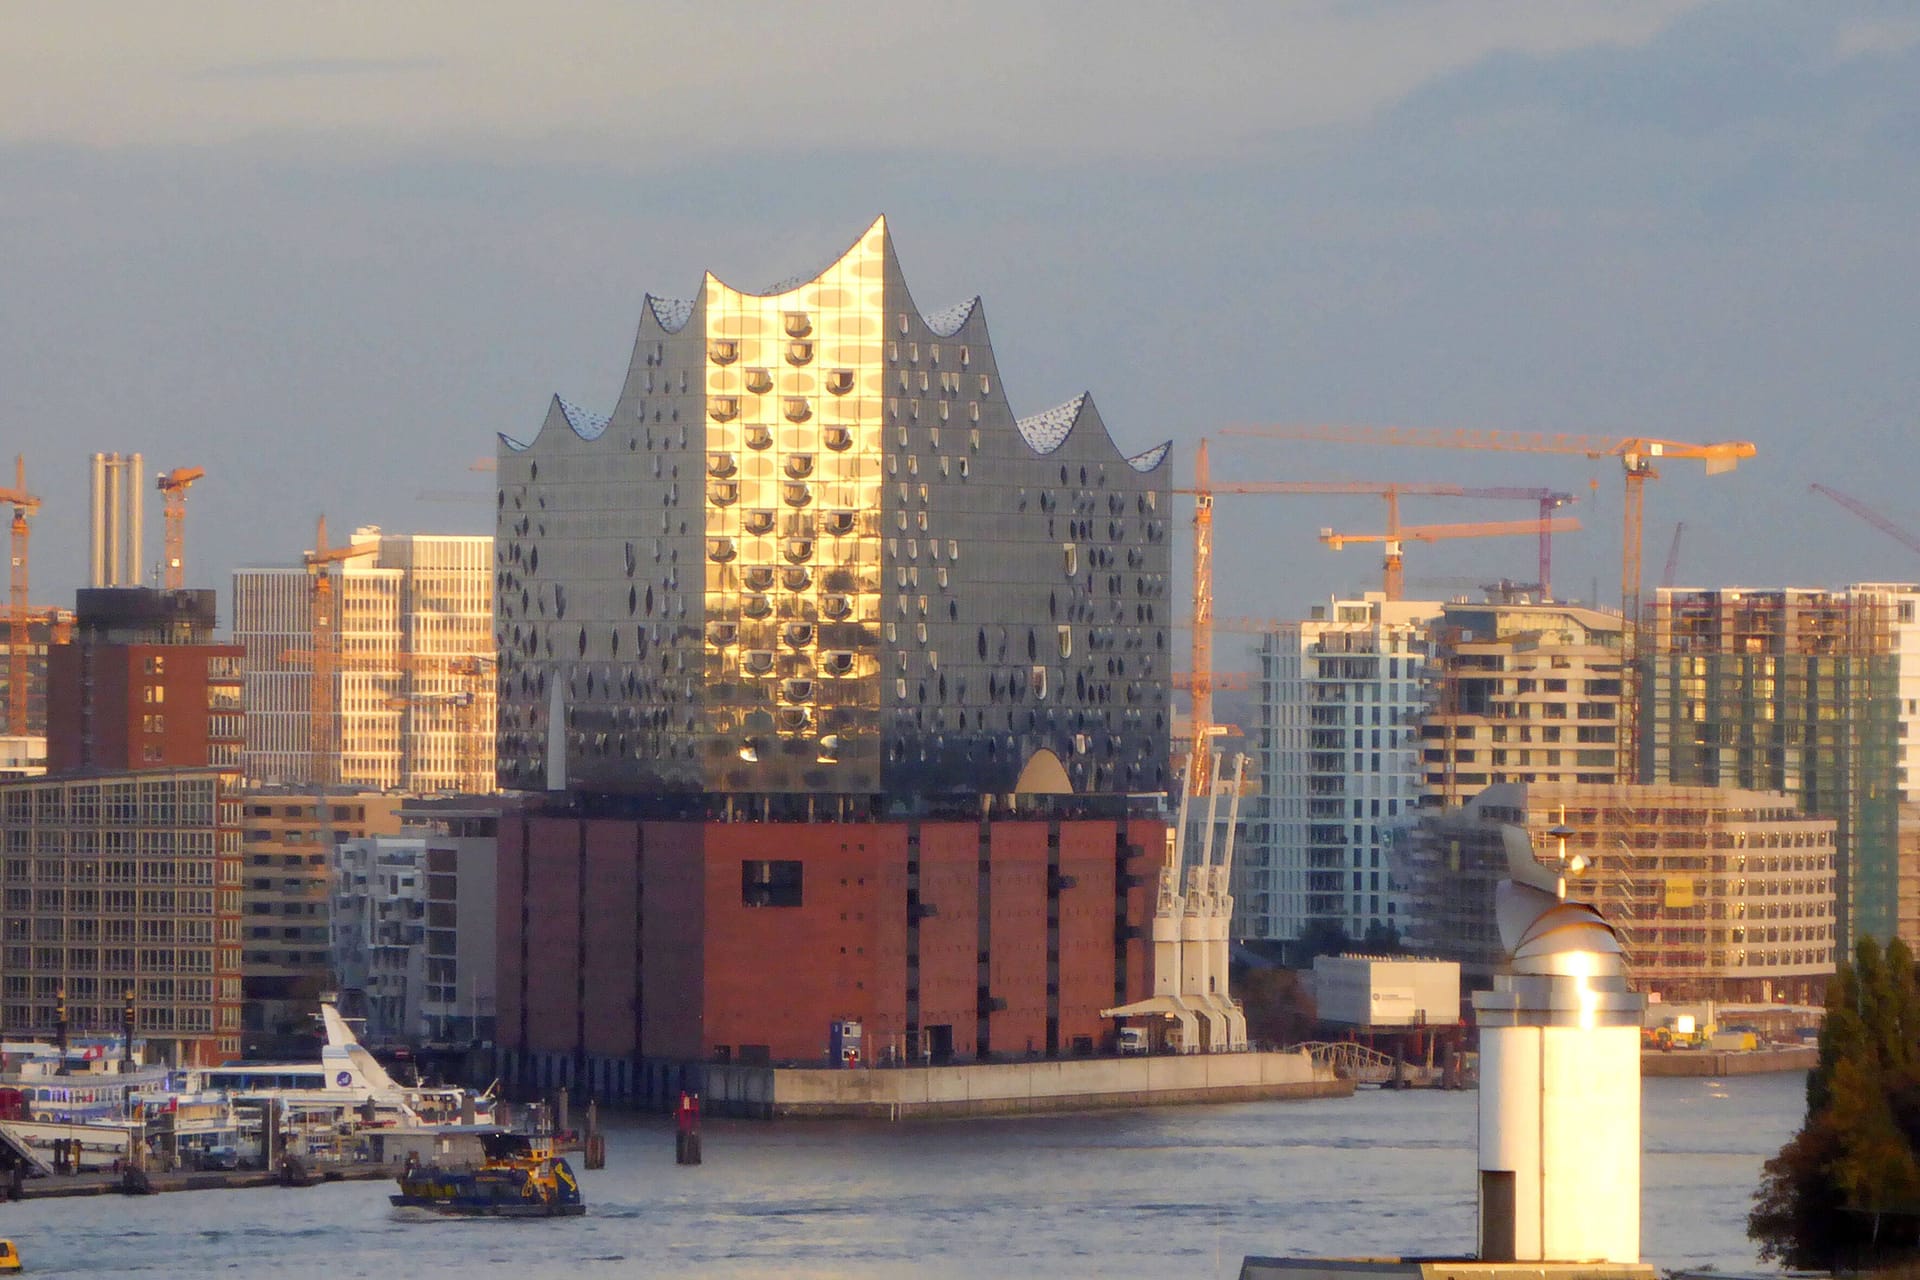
x: 792, y: 622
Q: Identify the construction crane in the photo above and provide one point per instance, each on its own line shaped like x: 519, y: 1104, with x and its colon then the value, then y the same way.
x: 325, y: 654
x: 1872, y: 517
x: 1549, y: 501
x: 1200, y: 776
x: 466, y: 703
x: 1673, y: 553
x: 25, y: 505
x: 476, y: 670
x: 173, y: 496
x: 1637, y: 455
x: 1393, y: 539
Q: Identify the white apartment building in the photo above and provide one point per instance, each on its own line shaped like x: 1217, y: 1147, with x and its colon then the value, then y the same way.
x: 1341, y: 697
x: 407, y: 715
x: 1901, y: 602
x: 412, y: 924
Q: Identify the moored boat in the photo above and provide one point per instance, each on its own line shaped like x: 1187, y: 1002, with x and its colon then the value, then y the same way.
x: 521, y: 1177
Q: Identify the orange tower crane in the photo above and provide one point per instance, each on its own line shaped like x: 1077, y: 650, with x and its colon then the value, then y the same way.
x: 173, y: 495
x: 465, y: 702
x: 1637, y: 455
x: 1200, y: 776
x: 1394, y: 538
x: 325, y: 654
x: 476, y: 671
x: 19, y: 614
x: 1549, y: 501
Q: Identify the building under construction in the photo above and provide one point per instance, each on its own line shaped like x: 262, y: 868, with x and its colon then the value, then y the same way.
x: 1788, y: 690
x: 1718, y: 894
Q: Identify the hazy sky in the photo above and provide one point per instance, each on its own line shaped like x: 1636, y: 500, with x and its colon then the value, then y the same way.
x: 328, y: 250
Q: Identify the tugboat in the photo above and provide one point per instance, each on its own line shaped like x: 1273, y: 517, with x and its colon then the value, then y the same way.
x: 521, y: 1177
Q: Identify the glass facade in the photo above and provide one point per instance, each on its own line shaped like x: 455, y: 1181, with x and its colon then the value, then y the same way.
x: 811, y: 550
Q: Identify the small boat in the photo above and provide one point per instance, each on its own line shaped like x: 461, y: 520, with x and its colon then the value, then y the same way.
x: 521, y: 1177
x: 9, y: 1256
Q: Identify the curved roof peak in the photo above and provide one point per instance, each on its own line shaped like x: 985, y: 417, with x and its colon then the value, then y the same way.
x: 1047, y: 431
x: 585, y: 424
x: 948, y: 321
x: 671, y: 313
x: 1151, y: 458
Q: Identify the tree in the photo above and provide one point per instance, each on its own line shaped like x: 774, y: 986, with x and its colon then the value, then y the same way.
x: 1845, y: 1190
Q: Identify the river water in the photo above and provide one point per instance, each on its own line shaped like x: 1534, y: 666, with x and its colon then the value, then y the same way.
x: 1169, y: 1192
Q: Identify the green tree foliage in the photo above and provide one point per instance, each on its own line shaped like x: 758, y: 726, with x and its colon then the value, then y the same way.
x: 1845, y: 1191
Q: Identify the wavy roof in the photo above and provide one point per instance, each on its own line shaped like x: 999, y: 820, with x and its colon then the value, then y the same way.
x: 948, y: 320
x: 1045, y: 432
x: 672, y: 313
x: 1151, y: 458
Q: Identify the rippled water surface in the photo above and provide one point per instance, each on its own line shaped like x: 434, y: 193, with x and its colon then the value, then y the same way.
x: 1170, y: 1192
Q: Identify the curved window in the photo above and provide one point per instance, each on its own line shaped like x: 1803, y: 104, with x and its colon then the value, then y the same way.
x: 757, y: 662
x: 758, y: 521
x: 722, y: 634
x: 840, y: 381
x: 797, y: 690
x: 723, y: 408
x: 721, y: 550
x: 756, y: 606
x: 797, y: 493
x: 759, y: 381
x: 837, y: 438
x: 837, y: 607
x: 758, y: 436
x: 798, y: 635
x: 799, y: 466
x: 799, y: 352
x: 723, y: 493
x: 796, y: 578
x: 837, y: 662
x: 797, y: 324
x: 796, y: 409
x: 793, y: 719
x: 838, y: 523
x: 723, y: 350
x: 799, y: 550
x: 720, y: 465
x: 759, y: 577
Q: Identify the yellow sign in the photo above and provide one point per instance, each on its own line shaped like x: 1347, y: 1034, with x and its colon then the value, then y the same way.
x: 1680, y: 891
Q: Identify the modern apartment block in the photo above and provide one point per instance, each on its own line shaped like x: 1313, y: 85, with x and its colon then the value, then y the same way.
x: 124, y: 884
x: 411, y: 615
x: 1719, y: 894
x: 414, y: 923
x: 142, y: 685
x: 1791, y: 690
x: 1341, y: 697
x: 288, y: 851
x: 1522, y: 693
x: 810, y: 565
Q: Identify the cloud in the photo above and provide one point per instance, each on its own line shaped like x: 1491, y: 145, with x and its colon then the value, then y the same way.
x: 1875, y: 37
x: 635, y: 84
x: 294, y: 68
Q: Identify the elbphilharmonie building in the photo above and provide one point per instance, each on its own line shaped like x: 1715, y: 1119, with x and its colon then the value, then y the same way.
x: 811, y: 549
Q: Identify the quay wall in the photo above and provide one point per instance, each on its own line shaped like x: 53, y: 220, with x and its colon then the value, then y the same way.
x: 1014, y: 1088
x: 1707, y: 1062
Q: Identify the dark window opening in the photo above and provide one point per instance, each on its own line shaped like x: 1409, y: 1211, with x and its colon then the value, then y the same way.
x: 769, y: 883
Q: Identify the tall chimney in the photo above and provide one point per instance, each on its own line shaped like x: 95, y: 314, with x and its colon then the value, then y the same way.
x: 115, y: 502
x: 97, y: 526
x: 136, y: 495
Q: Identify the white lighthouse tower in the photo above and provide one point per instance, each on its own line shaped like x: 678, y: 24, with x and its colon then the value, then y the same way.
x: 1559, y: 1077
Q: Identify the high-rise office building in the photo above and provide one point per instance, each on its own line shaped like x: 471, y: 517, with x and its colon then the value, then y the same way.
x: 410, y: 615
x: 811, y: 550
x: 1786, y: 689
x: 1341, y: 696
x: 812, y: 566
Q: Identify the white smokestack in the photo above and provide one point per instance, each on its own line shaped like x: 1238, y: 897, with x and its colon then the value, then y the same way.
x: 97, y: 526
x: 136, y: 495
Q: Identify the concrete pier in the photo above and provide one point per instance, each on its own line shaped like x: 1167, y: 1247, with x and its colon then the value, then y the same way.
x: 1015, y: 1088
